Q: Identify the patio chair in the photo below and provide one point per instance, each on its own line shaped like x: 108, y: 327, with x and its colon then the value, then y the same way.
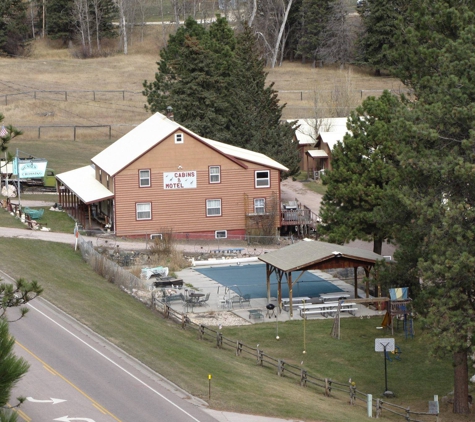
x: 235, y: 299
x: 203, y: 301
x: 246, y: 299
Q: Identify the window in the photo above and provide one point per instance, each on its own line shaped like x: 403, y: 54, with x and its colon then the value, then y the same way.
x: 144, y: 211
x: 100, y: 176
x: 259, y: 206
x: 262, y: 179
x: 179, y: 138
x: 220, y: 234
x: 107, y: 181
x: 213, y: 207
x: 144, y: 178
x: 214, y: 174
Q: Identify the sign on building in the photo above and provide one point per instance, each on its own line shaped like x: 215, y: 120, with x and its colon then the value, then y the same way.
x: 179, y: 180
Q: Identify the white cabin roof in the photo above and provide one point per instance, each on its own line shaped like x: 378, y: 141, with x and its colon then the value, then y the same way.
x: 153, y: 131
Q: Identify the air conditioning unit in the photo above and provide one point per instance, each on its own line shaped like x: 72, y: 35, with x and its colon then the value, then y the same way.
x: 156, y: 236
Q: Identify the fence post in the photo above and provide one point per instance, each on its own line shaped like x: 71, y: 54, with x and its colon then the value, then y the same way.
x: 303, y: 378
x: 369, y: 402
x: 238, y: 348
x: 280, y: 367
x: 352, y: 393
x: 379, y: 407
x: 202, y: 331
x: 328, y: 387
x: 408, y: 414
x: 260, y: 357
x: 219, y: 340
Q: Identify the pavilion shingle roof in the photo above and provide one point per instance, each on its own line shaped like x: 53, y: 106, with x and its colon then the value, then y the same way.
x: 304, y: 254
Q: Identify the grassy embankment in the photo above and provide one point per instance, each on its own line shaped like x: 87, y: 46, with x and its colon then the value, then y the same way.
x: 238, y: 384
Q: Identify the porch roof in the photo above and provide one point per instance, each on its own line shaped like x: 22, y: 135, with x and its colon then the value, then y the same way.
x: 83, y: 183
x: 317, y: 153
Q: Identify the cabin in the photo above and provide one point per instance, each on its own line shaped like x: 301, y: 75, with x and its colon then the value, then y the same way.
x: 161, y: 177
x: 304, y: 138
x: 319, y: 158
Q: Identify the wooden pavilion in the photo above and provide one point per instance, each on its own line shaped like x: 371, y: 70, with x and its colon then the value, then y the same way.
x: 314, y: 255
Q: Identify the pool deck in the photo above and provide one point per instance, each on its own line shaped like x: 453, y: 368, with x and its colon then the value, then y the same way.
x: 218, y: 292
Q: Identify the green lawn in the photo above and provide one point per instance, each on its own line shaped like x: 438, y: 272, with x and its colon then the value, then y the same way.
x: 238, y: 383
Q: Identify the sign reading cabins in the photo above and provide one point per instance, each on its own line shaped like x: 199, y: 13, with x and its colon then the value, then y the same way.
x: 179, y: 180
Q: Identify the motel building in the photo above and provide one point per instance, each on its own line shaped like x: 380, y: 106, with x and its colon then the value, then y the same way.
x: 162, y: 177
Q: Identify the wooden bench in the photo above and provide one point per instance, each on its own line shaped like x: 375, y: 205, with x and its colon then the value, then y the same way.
x: 255, y: 314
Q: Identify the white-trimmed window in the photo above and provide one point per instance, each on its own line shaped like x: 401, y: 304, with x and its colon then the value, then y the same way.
x: 179, y: 139
x: 144, y: 211
x: 215, y: 174
x: 220, y: 234
x: 144, y: 178
x: 259, y: 205
x: 213, y: 207
x: 262, y: 178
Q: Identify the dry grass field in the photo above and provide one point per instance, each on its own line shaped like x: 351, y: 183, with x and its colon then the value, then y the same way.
x: 55, y: 91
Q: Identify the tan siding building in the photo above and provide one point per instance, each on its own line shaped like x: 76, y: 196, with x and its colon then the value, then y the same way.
x: 162, y: 176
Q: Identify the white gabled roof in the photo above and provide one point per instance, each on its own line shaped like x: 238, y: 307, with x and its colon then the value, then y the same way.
x: 134, y: 144
x: 154, y: 130
x: 83, y: 183
x: 245, y: 154
x: 333, y: 124
x: 332, y: 138
x: 305, y: 133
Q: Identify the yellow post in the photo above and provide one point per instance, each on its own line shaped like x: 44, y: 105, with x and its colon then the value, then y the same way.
x: 209, y: 387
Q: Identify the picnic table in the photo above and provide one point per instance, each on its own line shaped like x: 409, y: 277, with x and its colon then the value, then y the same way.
x: 334, y: 296
x: 296, y: 301
x: 327, y: 309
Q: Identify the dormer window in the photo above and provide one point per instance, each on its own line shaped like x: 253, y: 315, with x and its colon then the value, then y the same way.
x: 179, y: 138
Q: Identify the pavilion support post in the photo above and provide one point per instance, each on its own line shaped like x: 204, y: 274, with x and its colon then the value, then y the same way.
x: 89, y: 216
x: 279, y: 288
x: 356, y: 281
x: 268, y: 271
x: 289, y: 283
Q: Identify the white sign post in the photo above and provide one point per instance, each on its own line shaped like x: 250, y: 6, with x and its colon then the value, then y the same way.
x: 385, y: 345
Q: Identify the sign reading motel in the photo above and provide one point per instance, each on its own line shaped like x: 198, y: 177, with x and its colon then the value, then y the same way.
x: 179, y: 180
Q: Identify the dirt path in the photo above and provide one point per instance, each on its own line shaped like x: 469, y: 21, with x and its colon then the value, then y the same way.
x: 292, y: 190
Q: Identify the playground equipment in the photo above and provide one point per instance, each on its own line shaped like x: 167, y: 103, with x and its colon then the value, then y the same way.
x: 399, y: 310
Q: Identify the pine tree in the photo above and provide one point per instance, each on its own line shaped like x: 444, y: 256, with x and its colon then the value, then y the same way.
x: 363, y: 165
x: 434, y: 57
x: 381, y: 23
x: 12, y: 368
x: 9, y: 132
x: 215, y: 84
x: 13, y: 27
x: 314, y: 15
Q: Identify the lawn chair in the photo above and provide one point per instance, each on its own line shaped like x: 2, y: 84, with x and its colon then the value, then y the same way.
x: 246, y: 299
x: 235, y: 299
x: 203, y: 301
